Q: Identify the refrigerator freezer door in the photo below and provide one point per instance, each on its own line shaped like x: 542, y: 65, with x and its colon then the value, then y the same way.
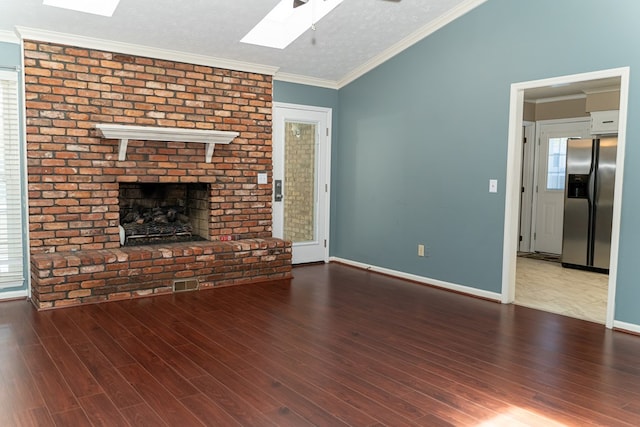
x: 579, y: 156
x: 576, y: 231
x: 603, y: 216
x: 575, y: 242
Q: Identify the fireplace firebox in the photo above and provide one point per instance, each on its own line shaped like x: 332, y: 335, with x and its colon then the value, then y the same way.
x: 153, y: 213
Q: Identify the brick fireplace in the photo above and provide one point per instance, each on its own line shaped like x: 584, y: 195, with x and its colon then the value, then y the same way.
x: 76, y: 180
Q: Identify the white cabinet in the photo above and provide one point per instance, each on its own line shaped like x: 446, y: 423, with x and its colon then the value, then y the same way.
x: 604, y: 122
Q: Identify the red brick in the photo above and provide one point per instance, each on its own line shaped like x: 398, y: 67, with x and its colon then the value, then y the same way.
x: 115, y: 88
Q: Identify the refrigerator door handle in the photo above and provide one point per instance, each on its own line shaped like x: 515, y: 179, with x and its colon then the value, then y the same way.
x: 591, y: 189
x: 592, y: 195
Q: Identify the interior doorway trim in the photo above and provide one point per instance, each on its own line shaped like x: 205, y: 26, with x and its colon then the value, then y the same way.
x: 514, y: 163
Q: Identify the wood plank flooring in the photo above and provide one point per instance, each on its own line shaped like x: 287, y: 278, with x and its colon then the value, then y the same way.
x: 335, y: 347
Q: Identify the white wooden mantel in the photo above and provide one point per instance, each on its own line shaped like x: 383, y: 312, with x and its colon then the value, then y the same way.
x: 150, y: 133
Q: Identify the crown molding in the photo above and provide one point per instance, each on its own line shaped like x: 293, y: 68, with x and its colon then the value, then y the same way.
x: 410, y: 40
x: 9, y: 37
x: 558, y: 98
x: 140, y: 50
x: 305, y: 80
x: 172, y: 55
x: 602, y: 90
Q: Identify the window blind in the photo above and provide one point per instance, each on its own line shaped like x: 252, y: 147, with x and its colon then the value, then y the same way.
x: 11, y: 253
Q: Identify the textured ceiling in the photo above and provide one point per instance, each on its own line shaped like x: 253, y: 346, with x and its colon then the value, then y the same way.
x: 356, y: 32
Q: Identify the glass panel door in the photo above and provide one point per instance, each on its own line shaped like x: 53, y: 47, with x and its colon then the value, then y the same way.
x: 301, y: 147
x: 300, y: 181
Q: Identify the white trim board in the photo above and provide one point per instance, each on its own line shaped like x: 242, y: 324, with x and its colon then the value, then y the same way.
x: 512, y: 190
x: 25, y: 180
x: 304, y: 80
x: 557, y: 99
x: 420, y: 279
x: 627, y: 327
x: 153, y: 133
x: 140, y: 50
x: 13, y: 295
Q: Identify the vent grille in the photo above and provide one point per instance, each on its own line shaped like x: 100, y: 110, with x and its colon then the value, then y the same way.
x: 186, y: 285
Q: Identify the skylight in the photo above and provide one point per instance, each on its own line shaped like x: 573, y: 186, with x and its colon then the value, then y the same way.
x: 285, y: 23
x: 96, y: 7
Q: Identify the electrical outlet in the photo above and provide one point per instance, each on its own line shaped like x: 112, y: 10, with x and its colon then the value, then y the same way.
x: 420, y: 250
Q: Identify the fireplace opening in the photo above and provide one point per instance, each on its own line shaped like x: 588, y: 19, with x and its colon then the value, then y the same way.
x: 153, y: 213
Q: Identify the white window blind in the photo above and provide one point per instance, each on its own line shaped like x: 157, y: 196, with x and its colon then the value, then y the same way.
x: 11, y: 262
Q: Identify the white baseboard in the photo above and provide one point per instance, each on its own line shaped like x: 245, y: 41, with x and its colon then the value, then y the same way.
x: 628, y: 327
x: 420, y: 279
x: 13, y: 295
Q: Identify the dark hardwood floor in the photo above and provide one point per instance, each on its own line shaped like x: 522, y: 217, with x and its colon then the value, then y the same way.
x: 336, y: 347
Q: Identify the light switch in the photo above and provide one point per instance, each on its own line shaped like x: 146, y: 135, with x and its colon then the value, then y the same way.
x: 262, y: 178
x: 493, y: 186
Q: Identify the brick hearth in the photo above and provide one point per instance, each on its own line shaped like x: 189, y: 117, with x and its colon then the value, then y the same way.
x: 74, y: 174
x: 63, y: 279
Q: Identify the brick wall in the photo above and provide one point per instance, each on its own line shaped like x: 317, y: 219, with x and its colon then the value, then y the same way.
x: 74, y: 174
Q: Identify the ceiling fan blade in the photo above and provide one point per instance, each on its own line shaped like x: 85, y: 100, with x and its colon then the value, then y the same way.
x: 297, y: 3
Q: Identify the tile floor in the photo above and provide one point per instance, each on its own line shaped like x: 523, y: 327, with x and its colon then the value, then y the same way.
x: 548, y: 286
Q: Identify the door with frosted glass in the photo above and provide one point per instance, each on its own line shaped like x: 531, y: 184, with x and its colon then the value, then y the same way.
x: 300, y: 185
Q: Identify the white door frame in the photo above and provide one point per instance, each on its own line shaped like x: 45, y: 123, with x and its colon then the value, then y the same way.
x: 536, y: 166
x: 514, y: 160
x: 322, y: 216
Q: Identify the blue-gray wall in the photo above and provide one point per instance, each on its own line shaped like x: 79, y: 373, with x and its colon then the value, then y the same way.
x: 421, y: 135
x: 11, y: 56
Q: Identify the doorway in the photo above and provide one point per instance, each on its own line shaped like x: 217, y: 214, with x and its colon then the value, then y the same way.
x: 514, y: 165
x: 541, y: 281
x: 301, y: 165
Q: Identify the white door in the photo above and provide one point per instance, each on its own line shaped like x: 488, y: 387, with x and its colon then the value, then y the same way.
x: 550, y: 181
x: 527, y: 185
x: 301, y: 138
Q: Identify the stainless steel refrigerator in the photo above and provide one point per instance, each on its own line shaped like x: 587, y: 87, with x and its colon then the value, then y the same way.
x: 588, y: 203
